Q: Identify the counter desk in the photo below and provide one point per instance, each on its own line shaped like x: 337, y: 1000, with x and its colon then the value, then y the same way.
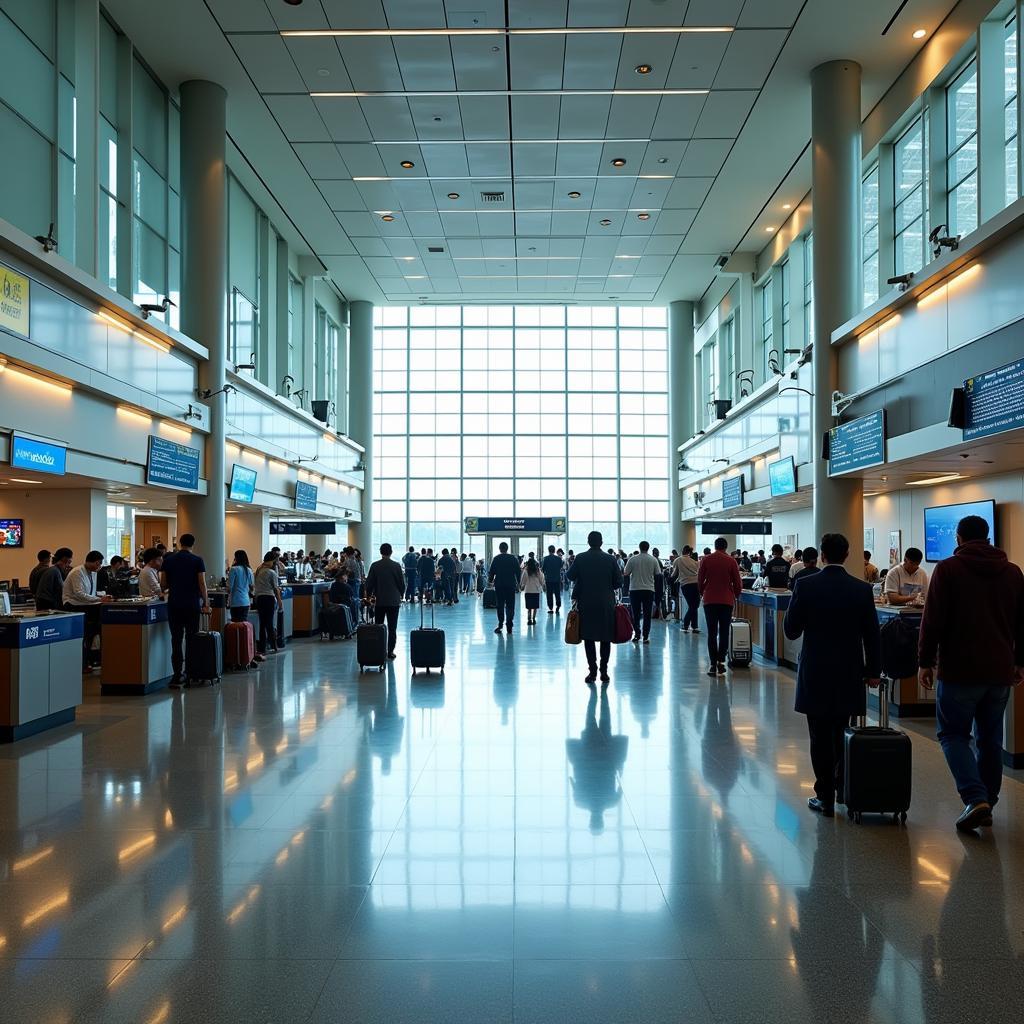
x: 40, y: 671
x: 135, y: 644
x: 765, y: 610
x: 306, y: 601
x: 907, y: 698
x: 220, y: 616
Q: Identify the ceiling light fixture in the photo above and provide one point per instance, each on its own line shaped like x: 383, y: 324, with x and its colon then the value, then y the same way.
x: 574, y: 195
x: 643, y: 69
x: 387, y: 218
x: 605, y: 222
x: 457, y: 93
x: 787, y: 206
x: 22, y: 480
x: 407, y: 164
x: 769, y: 230
x: 453, y: 195
x: 643, y: 216
x: 609, y: 30
x: 945, y: 478
x: 920, y: 33
x: 619, y: 161
x: 505, y: 142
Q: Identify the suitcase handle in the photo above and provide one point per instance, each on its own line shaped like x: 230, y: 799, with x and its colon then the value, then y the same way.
x: 883, y: 706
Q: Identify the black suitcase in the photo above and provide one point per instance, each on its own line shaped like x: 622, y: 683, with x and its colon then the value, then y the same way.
x: 334, y: 621
x: 877, y: 767
x: 372, y: 645
x: 204, y: 656
x: 490, y: 598
x: 426, y: 646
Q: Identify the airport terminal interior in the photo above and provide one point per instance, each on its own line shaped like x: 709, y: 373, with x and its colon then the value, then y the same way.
x: 349, y: 353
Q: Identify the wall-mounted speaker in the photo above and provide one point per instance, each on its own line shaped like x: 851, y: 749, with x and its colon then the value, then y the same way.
x: 956, y: 409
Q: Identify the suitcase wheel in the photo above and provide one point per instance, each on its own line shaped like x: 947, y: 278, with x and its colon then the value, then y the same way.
x: 849, y: 814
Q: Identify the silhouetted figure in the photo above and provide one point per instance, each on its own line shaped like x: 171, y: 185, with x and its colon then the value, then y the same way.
x: 596, y: 758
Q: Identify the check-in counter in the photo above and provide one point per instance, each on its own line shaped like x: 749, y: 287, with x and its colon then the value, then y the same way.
x: 306, y: 601
x: 765, y: 610
x: 136, y: 647
x: 220, y: 616
x: 40, y: 671
x: 907, y: 698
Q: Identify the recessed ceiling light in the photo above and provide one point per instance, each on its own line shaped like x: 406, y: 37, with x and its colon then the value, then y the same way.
x: 453, y: 195
x: 920, y: 33
x: 643, y: 216
x: 605, y: 222
x: 934, y: 480
x: 787, y: 206
x: 662, y: 159
x: 643, y: 69
x: 323, y: 72
x: 387, y: 218
x: 769, y: 230
x: 619, y: 162
x: 293, y: 3
x: 407, y: 164
x: 574, y: 195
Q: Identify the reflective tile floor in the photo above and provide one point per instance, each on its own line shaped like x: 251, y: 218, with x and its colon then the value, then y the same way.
x: 304, y: 843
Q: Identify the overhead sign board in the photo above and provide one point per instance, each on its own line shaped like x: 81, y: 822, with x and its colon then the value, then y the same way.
x: 732, y: 491
x: 994, y: 402
x: 172, y: 464
x: 37, y: 454
x: 736, y: 527
x: 299, y: 527
x: 495, y: 524
x: 305, y: 496
x: 859, y: 444
x: 14, y: 301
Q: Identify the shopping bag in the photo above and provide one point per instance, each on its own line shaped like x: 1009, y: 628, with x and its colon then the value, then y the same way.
x: 623, y: 625
x: 572, y: 627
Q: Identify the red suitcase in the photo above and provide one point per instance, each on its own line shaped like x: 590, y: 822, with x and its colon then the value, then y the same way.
x: 239, y: 645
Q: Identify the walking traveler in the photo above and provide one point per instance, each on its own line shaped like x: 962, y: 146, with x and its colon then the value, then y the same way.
x: 467, y: 567
x: 835, y: 614
x: 504, y: 577
x: 972, y: 642
x: 685, y: 567
x: 552, y: 566
x: 267, y: 587
x: 409, y: 561
x: 532, y: 585
x: 718, y: 579
x: 384, y: 586
x: 596, y: 577
x: 183, y: 578
x: 660, y: 611
x: 449, y: 571
x: 639, y: 572
x: 425, y: 575
x: 240, y: 584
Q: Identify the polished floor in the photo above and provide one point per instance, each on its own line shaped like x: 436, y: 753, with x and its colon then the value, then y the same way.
x: 303, y: 843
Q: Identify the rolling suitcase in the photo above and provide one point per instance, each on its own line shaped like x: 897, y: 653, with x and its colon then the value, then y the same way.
x: 490, y: 598
x: 204, y: 658
x: 334, y: 621
x: 877, y: 766
x: 741, y: 652
x: 372, y: 645
x: 426, y: 646
x: 239, y: 645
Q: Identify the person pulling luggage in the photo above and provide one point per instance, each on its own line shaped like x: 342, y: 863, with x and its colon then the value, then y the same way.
x: 385, y: 584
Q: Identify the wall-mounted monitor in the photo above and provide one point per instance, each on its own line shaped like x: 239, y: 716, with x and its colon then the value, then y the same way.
x: 39, y: 454
x: 782, y: 476
x: 732, y: 491
x: 305, y: 496
x: 243, y: 483
x: 12, y: 533
x: 940, y: 526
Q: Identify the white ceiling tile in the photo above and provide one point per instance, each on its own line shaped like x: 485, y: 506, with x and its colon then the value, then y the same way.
x: 674, y: 222
x: 398, y: 226
x: 595, y: 227
x: 346, y: 14
x: 399, y: 247
x: 375, y: 195
x: 697, y: 59
x: 656, y: 12
x: 535, y: 117
x: 344, y: 119
x: 667, y: 245
x: 583, y: 117
x: 444, y: 161
x: 488, y: 161
x: 367, y: 245
x: 383, y: 267
x: 387, y: 117
x: 587, y: 13
x: 436, y: 117
x: 498, y: 247
x: 677, y: 117
x: 749, y: 58
x: 613, y: 193
x: 590, y: 61
x: 344, y: 195
x: 534, y: 195
x: 425, y: 62
x: 723, y: 114
x: 534, y: 159
x: 595, y: 266
x: 465, y: 247
x: 566, y: 247
x: 484, y: 117
x: 600, y: 246
x: 533, y: 223
x: 321, y: 160
x: 480, y: 62
x: 412, y: 195
x: 361, y: 160
x: 496, y: 224
x: 715, y: 12
x: 632, y: 117
x: 663, y: 157
x: 414, y: 13
x: 268, y: 62
x: 298, y: 118
x: 779, y: 13
x: 357, y: 224
x: 536, y: 61
x: 371, y: 63
x: 423, y: 224
x: 578, y: 158
x: 392, y: 157
x: 688, y: 193
x: 704, y: 158
x: 631, y: 152
x: 319, y: 62
x: 647, y: 285
x: 242, y: 16
x: 654, y: 50
x: 570, y: 223
x: 536, y: 13
x: 651, y: 265
x: 649, y: 194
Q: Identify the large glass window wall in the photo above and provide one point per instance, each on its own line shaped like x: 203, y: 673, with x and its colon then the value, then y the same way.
x: 520, y: 411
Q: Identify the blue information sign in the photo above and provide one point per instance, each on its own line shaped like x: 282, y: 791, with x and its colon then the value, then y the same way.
x: 305, y: 496
x: 172, y: 464
x: 732, y: 491
x: 858, y: 444
x: 994, y: 402
x: 35, y: 453
x: 243, y: 483
x: 782, y: 476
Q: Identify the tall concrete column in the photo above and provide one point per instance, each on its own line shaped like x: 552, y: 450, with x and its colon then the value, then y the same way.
x: 835, y: 175
x: 204, y: 255
x: 360, y: 411
x: 680, y: 406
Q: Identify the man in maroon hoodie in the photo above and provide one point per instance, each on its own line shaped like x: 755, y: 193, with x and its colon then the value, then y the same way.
x: 718, y: 580
x: 973, y: 627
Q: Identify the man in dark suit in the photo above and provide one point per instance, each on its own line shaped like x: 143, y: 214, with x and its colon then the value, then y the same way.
x: 835, y: 614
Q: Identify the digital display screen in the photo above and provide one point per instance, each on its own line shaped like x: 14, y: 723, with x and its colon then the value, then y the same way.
x: 305, y: 496
x: 940, y: 526
x: 12, y: 533
x: 35, y: 453
x: 782, y: 477
x: 243, y: 483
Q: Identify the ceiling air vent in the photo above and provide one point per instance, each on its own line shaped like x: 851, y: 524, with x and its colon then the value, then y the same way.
x: 492, y: 197
x: 435, y: 248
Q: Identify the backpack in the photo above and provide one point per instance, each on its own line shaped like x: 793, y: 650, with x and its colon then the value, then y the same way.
x: 899, y: 648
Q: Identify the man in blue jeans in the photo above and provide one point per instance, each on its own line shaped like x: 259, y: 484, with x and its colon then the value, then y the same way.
x: 972, y: 640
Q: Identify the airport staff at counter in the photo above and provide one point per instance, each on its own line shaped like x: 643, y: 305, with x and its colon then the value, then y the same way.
x: 907, y: 583
x: 40, y: 673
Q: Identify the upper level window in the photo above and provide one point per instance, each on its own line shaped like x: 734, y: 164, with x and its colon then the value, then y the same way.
x: 710, y: 367
x: 1010, y: 109
x: 809, y: 289
x: 869, y: 227
x: 911, y: 192
x: 787, y: 314
x: 962, y: 150
x: 244, y: 330
x: 766, y: 326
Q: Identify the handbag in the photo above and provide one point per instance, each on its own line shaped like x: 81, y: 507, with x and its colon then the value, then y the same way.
x: 623, y: 625
x: 572, y: 626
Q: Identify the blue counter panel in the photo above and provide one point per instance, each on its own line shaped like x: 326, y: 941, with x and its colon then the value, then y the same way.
x: 39, y: 630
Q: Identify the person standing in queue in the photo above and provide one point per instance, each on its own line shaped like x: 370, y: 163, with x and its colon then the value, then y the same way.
x: 685, y: 567
x: 425, y: 575
x: 41, y: 566
x: 596, y: 578
x: 467, y: 569
x: 718, y: 579
x: 835, y: 614
x: 409, y: 560
x: 50, y: 588
x: 384, y: 585
x: 552, y: 567
x: 777, y: 569
x: 183, y: 578
x: 504, y: 577
x: 267, y: 591
x: 972, y: 640
x: 80, y: 595
x: 809, y: 558
x: 640, y: 571
x: 240, y: 584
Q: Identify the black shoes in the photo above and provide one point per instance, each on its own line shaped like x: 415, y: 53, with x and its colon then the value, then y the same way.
x: 605, y: 678
x: 499, y: 629
x: 713, y: 671
x: 976, y: 815
x: 721, y: 668
x: 591, y: 675
x: 819, y: 807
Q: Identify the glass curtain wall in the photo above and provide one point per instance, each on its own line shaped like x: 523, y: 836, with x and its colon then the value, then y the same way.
x: 520, y: 411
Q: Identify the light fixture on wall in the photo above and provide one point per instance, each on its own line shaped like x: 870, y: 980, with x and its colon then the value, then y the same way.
x: 944, y: 479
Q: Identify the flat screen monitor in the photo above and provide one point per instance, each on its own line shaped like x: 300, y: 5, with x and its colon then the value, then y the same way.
x: 12, y: 533
x: 305, y: 496
x: 243, y: 483
x: 782, y: 476
x: 940, y: 526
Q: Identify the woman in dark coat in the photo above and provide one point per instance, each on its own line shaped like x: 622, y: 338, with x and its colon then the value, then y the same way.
x: 596, y: 576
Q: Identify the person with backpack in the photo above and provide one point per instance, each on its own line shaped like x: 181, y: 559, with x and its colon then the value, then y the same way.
x: 971, y: 651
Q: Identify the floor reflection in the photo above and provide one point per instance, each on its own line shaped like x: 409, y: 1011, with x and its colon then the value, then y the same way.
x: 597, y: 758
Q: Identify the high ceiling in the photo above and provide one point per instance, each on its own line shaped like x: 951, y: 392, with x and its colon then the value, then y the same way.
x: 446, y: 149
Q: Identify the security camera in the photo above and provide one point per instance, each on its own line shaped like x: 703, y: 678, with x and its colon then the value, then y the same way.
x: 941, y: 241
x: 47, y: 241
x: 721, y: 261
x: 841, y: 402
x: 148, y: 308
x: 902, y: 281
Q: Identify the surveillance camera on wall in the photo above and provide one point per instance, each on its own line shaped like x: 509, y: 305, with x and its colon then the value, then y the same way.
x: 902, y: 281
x: 721, y: 261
